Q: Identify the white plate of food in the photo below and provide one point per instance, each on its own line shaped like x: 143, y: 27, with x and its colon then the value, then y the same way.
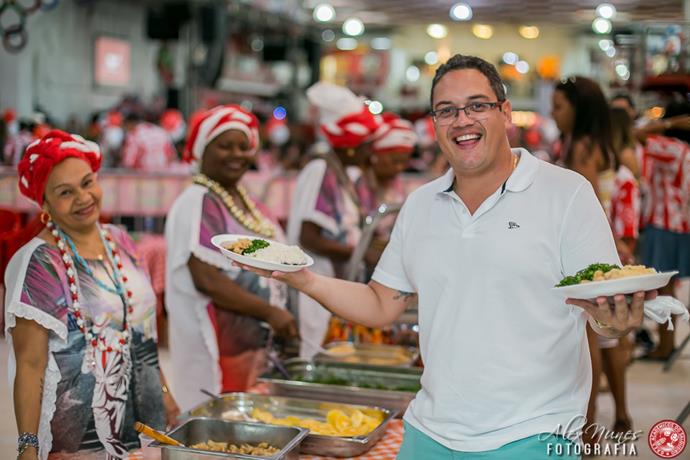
x: 608, y: 280
x: 262, y: 253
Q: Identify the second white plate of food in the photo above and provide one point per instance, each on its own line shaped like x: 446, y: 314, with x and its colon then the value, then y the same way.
x: 262, y: 253
x: 627, y: 285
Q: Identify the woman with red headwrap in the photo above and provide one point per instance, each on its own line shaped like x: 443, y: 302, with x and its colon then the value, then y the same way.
x: 326, y: 212
x: 215, y: 310
x: 80, y: 317
x: 391, y: 152
x: 380, y: 183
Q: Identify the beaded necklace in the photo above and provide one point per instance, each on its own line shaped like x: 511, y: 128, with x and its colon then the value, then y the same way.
x: 255, y: 221
x: 85, y: 265
x: 93, y: 337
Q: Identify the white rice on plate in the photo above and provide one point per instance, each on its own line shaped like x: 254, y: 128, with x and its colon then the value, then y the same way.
x: 281, y: 254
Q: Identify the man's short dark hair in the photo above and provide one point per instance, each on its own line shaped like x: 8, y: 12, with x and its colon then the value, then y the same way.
x: 626, y: 97
x: 460, y: 62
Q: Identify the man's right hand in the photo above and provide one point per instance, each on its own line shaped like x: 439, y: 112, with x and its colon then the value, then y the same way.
x: 283, y: 323
x: 299, y: 280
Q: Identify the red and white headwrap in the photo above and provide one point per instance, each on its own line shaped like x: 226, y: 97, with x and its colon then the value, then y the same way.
x: 344, y: 119
x: 397, y: 136
x: 426, y: 132
x: 215, y: 122
x: 44, y: 154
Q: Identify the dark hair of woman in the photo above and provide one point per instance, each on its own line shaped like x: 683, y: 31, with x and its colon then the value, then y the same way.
x: 592, y: 123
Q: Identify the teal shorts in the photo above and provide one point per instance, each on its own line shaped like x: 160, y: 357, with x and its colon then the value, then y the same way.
x: 418, y: 446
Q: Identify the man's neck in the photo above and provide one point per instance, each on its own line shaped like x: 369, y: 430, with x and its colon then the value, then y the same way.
x: 474, y: 189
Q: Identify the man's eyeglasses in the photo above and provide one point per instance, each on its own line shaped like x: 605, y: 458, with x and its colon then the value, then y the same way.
x: 475, y: 111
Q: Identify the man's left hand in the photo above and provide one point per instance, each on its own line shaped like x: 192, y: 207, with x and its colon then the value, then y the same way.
x: 616, y: 314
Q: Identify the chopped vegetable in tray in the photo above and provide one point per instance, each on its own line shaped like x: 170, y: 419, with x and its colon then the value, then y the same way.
x: 326, y: 379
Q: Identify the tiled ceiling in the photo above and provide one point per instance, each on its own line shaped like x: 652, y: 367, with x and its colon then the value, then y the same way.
x: 395, y: 12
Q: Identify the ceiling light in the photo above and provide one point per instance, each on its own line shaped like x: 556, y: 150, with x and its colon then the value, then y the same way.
x: 323, y: 12
x: 279, y: 113
x: 353, y: 26
x: 381, y: 43
x: 522, y: 67
x: 601, y: 26
x: 605, y: 44
x: 375, y: 107
x: 621, y: 69
x: 257, y: 44
x: 611, y: 52
x: 606, y: 11
x: 346, y: 44
x: 529, y: 32
x: 437, y: 31
x: 328, y: 35
x: 482, y: 31
x: 412, y: 73
x: 431, y: 57
x: 461, y: 12
x: 510, y: 58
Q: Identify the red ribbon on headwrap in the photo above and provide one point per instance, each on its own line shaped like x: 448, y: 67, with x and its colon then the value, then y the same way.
x: 216, y: 121
x: 396, y: 135
x: 42, y: 155
x: 352, y: 130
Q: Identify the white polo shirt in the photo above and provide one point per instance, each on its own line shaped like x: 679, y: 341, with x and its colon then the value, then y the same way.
x: 505, y: 358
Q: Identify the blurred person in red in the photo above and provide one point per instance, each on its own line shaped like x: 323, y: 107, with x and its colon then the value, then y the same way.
x: 172, y: 121
x: 381, y: 183
x: 666, y: 213
x: 147, y: 147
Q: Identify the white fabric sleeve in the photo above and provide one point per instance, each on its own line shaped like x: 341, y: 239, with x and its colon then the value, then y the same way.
x: 307, y: 190
x: 390, y: 271
x: 586, y: 236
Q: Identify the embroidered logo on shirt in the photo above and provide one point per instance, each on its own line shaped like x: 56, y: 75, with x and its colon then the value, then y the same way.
x: 512, y: 225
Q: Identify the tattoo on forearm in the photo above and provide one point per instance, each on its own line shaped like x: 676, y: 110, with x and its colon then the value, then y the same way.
x: 403, y: 295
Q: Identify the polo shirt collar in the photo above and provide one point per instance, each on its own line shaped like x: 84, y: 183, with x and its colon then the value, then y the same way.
x: 519, y: 180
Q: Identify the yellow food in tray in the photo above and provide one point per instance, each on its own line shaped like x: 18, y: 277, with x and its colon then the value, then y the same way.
x: 338, y: 423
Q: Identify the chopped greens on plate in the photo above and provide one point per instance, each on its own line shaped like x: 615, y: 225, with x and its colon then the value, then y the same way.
x: 586, y: 274
x: 255, y: 246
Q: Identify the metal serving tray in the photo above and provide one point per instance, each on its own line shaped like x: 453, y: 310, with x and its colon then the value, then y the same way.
x: 372, y: 354
x: 203, y: 429
x: 369, y: 375
x: 236, y: 405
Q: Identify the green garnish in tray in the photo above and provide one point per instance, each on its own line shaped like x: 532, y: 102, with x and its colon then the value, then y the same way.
x: 586, y: 274
x: 255, y: 246
x: 326, y: 379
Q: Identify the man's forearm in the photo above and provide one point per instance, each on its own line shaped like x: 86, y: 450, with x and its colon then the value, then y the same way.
x: 354, y: 302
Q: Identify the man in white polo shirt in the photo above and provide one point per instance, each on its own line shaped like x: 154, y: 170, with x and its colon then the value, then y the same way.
x: 506, y: 358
